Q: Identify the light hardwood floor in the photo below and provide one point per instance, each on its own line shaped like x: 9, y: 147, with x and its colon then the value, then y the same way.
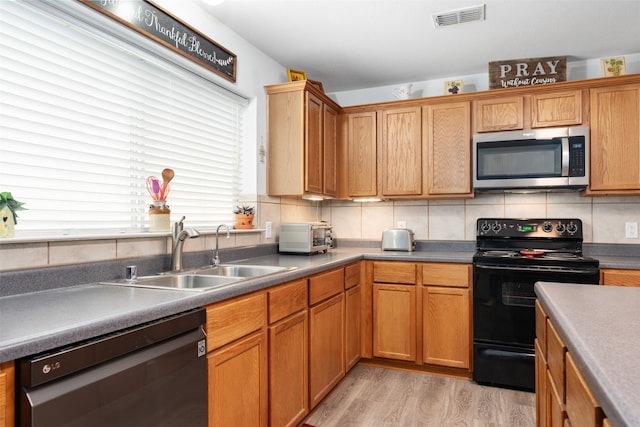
x: 371, y: 396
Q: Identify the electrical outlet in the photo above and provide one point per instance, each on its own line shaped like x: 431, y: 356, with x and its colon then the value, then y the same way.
x: 631, y: 230
x: 268, y: 230
x: 402, y: 224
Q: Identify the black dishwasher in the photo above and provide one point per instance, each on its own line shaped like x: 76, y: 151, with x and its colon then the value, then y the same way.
x: 152, y: 375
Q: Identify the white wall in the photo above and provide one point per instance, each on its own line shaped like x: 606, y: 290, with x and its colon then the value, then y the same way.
x: 576, y: 70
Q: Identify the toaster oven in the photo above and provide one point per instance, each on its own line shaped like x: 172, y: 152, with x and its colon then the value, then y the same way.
x: 305, y: 237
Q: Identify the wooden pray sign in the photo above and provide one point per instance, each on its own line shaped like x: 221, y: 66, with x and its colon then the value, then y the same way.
x: 527, y: 72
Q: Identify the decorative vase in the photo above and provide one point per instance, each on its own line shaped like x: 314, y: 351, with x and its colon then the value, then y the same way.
x: 244, y: 221
x: 7, y: 225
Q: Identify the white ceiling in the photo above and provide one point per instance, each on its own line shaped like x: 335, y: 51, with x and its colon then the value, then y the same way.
x: 354, y: 44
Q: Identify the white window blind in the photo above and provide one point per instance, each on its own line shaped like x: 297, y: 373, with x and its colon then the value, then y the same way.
x: 85, y: 119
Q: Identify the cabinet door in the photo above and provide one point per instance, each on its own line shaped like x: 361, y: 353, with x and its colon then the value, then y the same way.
x: 401, y: 157
x: 7, y: 378
x: 330, y: 119
x: 394, y: 321
x: 446, y: 327
x: 288, y: 371
x: 541, y: 386
x: 582, y: 407
x: 556, y: 414
x: 556, y: 109
x: 352, y: 326
x: 314, y: 150
x: 238, y: 383
x: 326, y: 347
x: 361, y: 155
x: 498, y: 114
x: 447, y: 136
x: 615, y: 139
x: 286, y: 133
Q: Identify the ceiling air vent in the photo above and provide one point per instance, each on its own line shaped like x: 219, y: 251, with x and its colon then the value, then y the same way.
x: 459, y: 16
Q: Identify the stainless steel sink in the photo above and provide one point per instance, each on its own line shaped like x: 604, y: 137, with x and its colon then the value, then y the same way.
x: 238, y: 270
x: 185, y: 282
x: 201, y: 279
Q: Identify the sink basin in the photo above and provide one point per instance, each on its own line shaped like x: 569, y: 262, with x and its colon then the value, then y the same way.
x: 201, y: 279
x: 188, y: 282
x: 233, y: 270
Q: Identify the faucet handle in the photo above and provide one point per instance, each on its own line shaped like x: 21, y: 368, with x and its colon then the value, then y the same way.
x: 178, y: 227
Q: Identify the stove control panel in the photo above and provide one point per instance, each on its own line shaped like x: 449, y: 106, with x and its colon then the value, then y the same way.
x: 548, y: 228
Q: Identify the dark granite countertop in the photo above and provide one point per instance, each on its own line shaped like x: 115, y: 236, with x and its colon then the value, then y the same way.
x: 38, y: 321
x: 600, y: 325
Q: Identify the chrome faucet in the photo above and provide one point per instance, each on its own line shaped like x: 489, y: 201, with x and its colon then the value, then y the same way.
x: 179, y: 236
x: 216, y: 258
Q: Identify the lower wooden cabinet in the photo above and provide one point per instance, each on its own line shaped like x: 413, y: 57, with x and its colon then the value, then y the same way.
x: 7, y: 379
x: 326, y: 347
x: 394, y: 321
x: 446, y: 326
x: 288, y: 371
x: 618, y: 277
x: 288, y: 353
x: 237, y: 362
x: 352, y: 309
x: 563, y: 398
x: 238, y: 383
x: 582, y: 407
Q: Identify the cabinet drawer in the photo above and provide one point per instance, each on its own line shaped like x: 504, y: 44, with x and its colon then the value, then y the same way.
x: 446, y: 274
x: 394, y: 272
x: 541, y: 327
x: 621, y: 277
x: 582, y: 407
x: 556, y: 354
x: 287, y: 299
x: 325, y: 285
x: 231, y: 320
x: 351, y: 275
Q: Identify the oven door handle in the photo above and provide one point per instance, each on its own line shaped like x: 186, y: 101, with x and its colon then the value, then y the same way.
x: 536, y: 269
x: 509, y: 355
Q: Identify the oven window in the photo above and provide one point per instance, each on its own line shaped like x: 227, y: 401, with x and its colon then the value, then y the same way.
x: 521, y: 159
x: 518, y: 294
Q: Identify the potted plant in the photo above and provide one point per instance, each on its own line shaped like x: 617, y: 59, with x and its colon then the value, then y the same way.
x: 8, y: 208
x: 244, y: 216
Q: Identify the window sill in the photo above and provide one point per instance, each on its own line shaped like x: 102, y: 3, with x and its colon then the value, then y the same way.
x: 35, y: 237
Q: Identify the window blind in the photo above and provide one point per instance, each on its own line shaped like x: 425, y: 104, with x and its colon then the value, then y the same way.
x: 84, y: 120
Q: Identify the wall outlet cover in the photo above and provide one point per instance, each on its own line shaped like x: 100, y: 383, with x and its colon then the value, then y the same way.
x: 631, y: 230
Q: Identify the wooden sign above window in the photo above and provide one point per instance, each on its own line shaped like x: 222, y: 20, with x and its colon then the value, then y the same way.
x: 527, y: 72
x: 157, y: 24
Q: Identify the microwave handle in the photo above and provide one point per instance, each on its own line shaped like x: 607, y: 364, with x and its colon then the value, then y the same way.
x: 565, y: 156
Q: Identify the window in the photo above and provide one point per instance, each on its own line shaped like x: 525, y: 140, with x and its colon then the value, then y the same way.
x: 85, y: 117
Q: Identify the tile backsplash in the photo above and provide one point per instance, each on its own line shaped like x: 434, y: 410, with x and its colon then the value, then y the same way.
x: 435, y: 220
x: 603, y: 218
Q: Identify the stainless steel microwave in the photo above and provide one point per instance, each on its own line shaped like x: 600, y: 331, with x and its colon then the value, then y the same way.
x: 540, y: 159
x: 305, y: 237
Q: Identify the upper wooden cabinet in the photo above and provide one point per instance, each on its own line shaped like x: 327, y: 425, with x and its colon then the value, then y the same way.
x: 360, y: 152
x: 537, y: 110
x: 401, y: 152
x: 497, y: 114
x: 615, y: 140
x: 302, y: 141
x: 447, y: 137
x: 556, y: 109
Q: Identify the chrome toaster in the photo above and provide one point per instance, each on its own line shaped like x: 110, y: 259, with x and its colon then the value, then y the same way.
x: 398, y: 239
